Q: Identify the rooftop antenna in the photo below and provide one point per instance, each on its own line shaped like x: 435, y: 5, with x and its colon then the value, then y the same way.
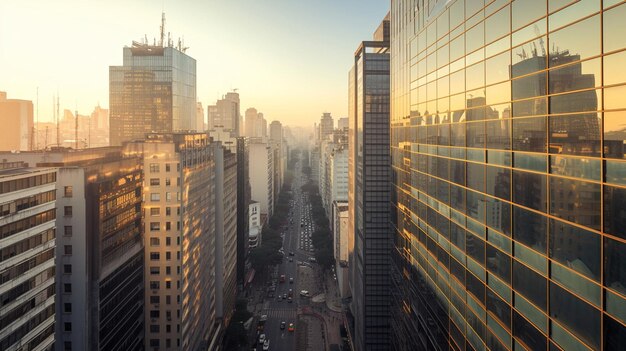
x: 76, y: 129
x: 36, y: 124
x: 162, y: 29
x: 537, y: 33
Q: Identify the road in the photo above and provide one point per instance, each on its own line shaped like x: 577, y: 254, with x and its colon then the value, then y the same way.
x: 279, y: 310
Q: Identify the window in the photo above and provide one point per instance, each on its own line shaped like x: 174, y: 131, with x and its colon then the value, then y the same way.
x: 67, y: 230
x: 168, y: 211
x: 154, y: 168
x: 68, y: 191
x: 155, y: 182
x: 168, y: 225
x: 168, y: 255
x: 155, y: 256
x: 155, y: 299
x: 168, y: 270
x: 154, y: 241
x: 154, y: 328
x: 155, y: 211
x: 67, y: 288
x: 67, y: 268
x: 67, y: 249
x: 67, y: 307
x: 155, y: 343
x: 154, y: 285
x: 67, y: 345
x: 67, y: 211
x: 155, y: 197
x: 155, y: 226
x: 168, y: 241
x: 155, y: 270
x: 168, y: 300
x: 168, y: 284
x: 67, y: 326
x: 168, y: 196
x: 168, y: 182
x: 155, y: 314
x: 167, y: 167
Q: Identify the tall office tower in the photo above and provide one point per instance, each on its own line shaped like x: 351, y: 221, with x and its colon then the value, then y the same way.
x: 277, y: 142
x: 507, y: 141
x: 276, y: 131
x: 99, y: 280
x: 327, y: 125
x: 225, y: 113
x: 17, y: 116
x: 342, y: 123
x: 97, y: 128
x: 200, y: 118
x: 225, y: 233
x: 262, y: 126
x: 180, y: 207
x: 153, y: 91
x: 243, y: 201
x: 339, y: 225
x: 252, y: 117
x: 262, y: 175
x: 27, y: 244
x: 368, y: 192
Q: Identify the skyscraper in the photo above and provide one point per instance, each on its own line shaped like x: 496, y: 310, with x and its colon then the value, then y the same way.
x: 153, y: 91
x: 225, y: 113
x: 18, y: 114
x: 327, y: 125
x: 368, y: 193
x: 243, y: 202
x: 507, y: 148
x: 27, y: 244
x: 262, y: 175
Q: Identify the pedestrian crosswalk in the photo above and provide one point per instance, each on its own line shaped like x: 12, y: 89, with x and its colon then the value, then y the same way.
x: 283, y: 313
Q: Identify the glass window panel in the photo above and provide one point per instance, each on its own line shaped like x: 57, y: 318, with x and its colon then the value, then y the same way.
x: 529, y: 86
x: 616, y: 172
x: 586, y: 168
x: 529, y: 189
x: 529, y: 134
x: 497, y: 68
x: 530, y: 162
x: 614, y: 72
x: 576, y: 102
x: 475, y: 76
x: 575, y: 134
x: 614, y: 28
x: 531, y: 258
x: 530, y: 107
x: 576, y: 248
x: 526, y: 60
x: 471, y: 7
x: 498, y: 215
x: 475, y: 205
x: 615, y: 211
x: 498, y: 46
x: 527, y: 11
x: 581, y: 75
x: 497, y: 94
x: 614, y: 334
x: 614, y: 97
x: 499, y: 134
x: 530, y: 284
x: 475, y: 247
x: 614, y: 134
x: 443, y: 26
x: 498, y: 24
x: 579, y: 40
x: 457, y: 82
x: 499, y: 182
x: 576, y: 283
x: 530, y: 228
x: 457, y: 48
x: 527, y: 333
x: 476, y: 176
x: 577, y: 10
x: 616, y: 306
x: 527, y: 33
x: 474, y: 37
x: 575, y: 201
x: 568, y: 309
x: 499, y: 263
x: 476, y: 134
x: 615, y: 265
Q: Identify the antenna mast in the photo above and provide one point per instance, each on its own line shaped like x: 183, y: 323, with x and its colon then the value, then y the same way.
x: 162, y: 28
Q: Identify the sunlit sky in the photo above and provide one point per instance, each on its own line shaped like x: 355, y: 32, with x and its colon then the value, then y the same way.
x: 288, y: 58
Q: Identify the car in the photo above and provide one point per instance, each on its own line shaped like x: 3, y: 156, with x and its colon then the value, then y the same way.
x: 291, y: 253
x: 262, y: 338
x: 291, y: 327
x: 289, y: 299
x: 263, y: 318
x: 285, y: 296
x: 290, y: 280
x: 282, y: 325
x: 304, y: 293
x: 280, y: 298
x: 266, y: 345
x: 290, y: 259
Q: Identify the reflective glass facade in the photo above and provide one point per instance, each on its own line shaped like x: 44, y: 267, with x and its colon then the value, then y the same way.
x: 507, y: 144
x: 154, y: 91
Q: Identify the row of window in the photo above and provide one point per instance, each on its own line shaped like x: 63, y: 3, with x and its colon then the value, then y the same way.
x: 156, y: 167
x: 26, y: 183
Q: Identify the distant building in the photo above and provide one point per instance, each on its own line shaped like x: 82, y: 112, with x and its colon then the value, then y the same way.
x: 27, y: 244
x: 153, y: 91
x: 200, y: 118
x: 262, y: 175
x: 180, y: 265
x: 340, y: 245
x: 243, y: 202
x: 225, y: 114
x: 326, y: 126
x: 342, y: 123
x: 18, y: 115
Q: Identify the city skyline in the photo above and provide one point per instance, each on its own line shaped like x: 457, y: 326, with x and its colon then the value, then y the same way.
x: 308, y: 75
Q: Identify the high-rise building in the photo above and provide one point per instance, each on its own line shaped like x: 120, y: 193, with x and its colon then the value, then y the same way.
x: 27, y: 244
x: 252, y: 116
x: 180, y: 208
x: 243, y: 202
x: 339, y: 225
x: 368, y: 193
x: 507, y: 123
x: 262, y: 175
x: 97, y: 128
x: 18, y: 114
x: 200, y: 118
x: 276, y: 131
x: 327, y: 125
x: 225, y: 114
x: 100, y: 253
x: 342, y: 123
x: 225, y: 232
x: 153, y: 91
x: 255, y: 224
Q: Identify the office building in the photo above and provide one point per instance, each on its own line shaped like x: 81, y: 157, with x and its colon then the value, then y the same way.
x: 27, y: 263
x: 100, y: 254
x: 19, y: 115
x: 339, y: 224
x: 256, y: 125
x: 507, y: 150
x: 326, y: 127
x: 200, y: 118
x: 368, y: 192
x: 256, y: 224
x: 262, y: 175
x: 276, y: 131
x: 243, y: 202
x: 225, y: 233
x: 153, y: 91
x: 180, y: 264
x: 225, y: 113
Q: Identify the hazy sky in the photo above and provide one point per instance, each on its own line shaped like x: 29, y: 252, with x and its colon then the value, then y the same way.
x: 288, y: 58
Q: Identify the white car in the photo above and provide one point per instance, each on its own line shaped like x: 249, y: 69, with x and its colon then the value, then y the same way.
x: 262, y: 338
x: 266, y: 345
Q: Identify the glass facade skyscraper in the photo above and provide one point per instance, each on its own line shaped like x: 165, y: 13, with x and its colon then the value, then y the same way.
x: 368, y: 193
x: 154, y: 91
x: 507, y: 142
